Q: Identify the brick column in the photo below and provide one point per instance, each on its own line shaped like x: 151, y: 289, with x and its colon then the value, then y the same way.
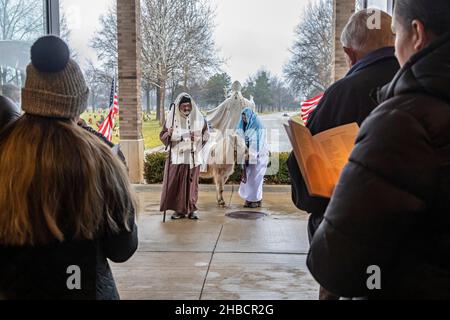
x: 129, y: 46
x: 343, y: 9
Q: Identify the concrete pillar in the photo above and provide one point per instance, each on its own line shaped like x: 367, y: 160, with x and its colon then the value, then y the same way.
x: 129, y: 46
x: 343, y: 9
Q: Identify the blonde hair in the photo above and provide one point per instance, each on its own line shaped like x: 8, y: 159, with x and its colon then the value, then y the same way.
x: 359, y: 33
x: 59, y: 182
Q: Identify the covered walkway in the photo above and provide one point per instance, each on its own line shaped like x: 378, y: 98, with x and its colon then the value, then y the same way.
x: 219, y: 257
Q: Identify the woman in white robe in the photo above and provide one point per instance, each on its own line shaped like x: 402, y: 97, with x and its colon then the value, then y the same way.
x: 251, y: 129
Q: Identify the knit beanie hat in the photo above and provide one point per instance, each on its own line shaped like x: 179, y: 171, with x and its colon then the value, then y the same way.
x: 55, y: 86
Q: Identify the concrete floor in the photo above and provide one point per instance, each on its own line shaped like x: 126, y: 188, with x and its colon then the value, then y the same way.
x: 219, y: 257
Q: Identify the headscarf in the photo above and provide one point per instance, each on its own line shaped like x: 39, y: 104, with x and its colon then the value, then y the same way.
x: 253, y: 132
x: 194, y: 123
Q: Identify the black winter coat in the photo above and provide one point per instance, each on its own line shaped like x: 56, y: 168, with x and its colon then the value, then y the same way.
x: 36, y: 273
x: 391, y: 207
x: 42, y: 272
x: 347, y: 101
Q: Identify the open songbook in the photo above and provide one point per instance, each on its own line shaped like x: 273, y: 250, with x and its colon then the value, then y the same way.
x: 322, y: 157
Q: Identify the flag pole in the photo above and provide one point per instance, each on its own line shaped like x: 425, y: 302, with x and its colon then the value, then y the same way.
x: 170, y: 159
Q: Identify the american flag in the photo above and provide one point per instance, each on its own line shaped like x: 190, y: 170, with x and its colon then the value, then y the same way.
x: 308, y: 107
x: 106, y: 128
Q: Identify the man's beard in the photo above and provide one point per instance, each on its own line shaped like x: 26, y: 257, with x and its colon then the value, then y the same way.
x: 186, y: 114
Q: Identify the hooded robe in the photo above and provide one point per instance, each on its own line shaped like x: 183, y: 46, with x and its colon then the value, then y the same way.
x: 254, y: 134
x: 182, y: 170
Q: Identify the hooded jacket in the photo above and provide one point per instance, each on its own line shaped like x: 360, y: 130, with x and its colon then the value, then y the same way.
x: 391, y: 208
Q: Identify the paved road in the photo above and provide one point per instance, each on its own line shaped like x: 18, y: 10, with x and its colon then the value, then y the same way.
x: 277, y: 137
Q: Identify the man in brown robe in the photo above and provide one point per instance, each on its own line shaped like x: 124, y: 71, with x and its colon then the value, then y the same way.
x: 184, y: 134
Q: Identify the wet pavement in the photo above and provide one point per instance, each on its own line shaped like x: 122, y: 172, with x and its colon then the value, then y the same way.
x: 219, y: 257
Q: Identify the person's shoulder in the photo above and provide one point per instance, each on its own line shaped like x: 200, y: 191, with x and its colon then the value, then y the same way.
x: 378, y: 73
x: 336, y: 87
x: 360, y: 84
x: 431, y: 113
x: 98, y: 135
x: 404, y: 115
x: 336, y: 94
x: 418, y: 104
x: 344, y: 86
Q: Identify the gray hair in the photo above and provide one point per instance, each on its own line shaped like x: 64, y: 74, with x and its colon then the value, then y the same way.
x: 368, y: 30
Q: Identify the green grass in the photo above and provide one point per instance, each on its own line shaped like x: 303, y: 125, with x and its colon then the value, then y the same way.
x: 150, y: 128
x: 150, y: 131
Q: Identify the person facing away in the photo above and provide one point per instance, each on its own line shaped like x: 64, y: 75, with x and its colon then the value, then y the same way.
x: 184, y: 134
x: 66, y: 204
x: 370, y: 57
x: 389, y: 215
x: 9, y: 112
x: 251, y: 129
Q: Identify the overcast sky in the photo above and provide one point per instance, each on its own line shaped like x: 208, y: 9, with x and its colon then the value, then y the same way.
x: 250, y: 34
x: 256, y: 33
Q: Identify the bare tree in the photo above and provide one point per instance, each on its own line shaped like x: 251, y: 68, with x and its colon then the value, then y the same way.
x: 99, y: 83
x: 200, y: 56
x: 310, y: 69
x: 21, y: 21
x: 176, y: 39
x: 177, y: 43
x: 282, y: 97
x: 105, y: 40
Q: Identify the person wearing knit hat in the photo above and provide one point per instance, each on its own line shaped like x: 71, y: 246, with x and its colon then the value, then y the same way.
x: 66, y: 200
x: 54, y: 87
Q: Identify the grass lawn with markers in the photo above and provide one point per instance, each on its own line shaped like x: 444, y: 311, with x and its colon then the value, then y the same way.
x: 150, y: 128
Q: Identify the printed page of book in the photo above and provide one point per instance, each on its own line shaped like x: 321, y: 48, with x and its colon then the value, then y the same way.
x: 311, y: 161
x: 336, y: 145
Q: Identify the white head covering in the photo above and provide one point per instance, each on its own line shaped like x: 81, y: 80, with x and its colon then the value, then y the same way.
x: 236, y: 87
x: 227, y: 115
x: 184, y: 151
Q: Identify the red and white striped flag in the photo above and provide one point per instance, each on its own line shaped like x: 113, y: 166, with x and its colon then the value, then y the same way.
x: 106, y: 128
x: 309, y: 106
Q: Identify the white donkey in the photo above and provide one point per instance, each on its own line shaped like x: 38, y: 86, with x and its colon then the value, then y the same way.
x: 225, y: 148
x: 223, y: 152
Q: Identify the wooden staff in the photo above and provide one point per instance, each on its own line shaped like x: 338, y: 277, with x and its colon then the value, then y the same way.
x: 190, y: 172
x: 170, y: 160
